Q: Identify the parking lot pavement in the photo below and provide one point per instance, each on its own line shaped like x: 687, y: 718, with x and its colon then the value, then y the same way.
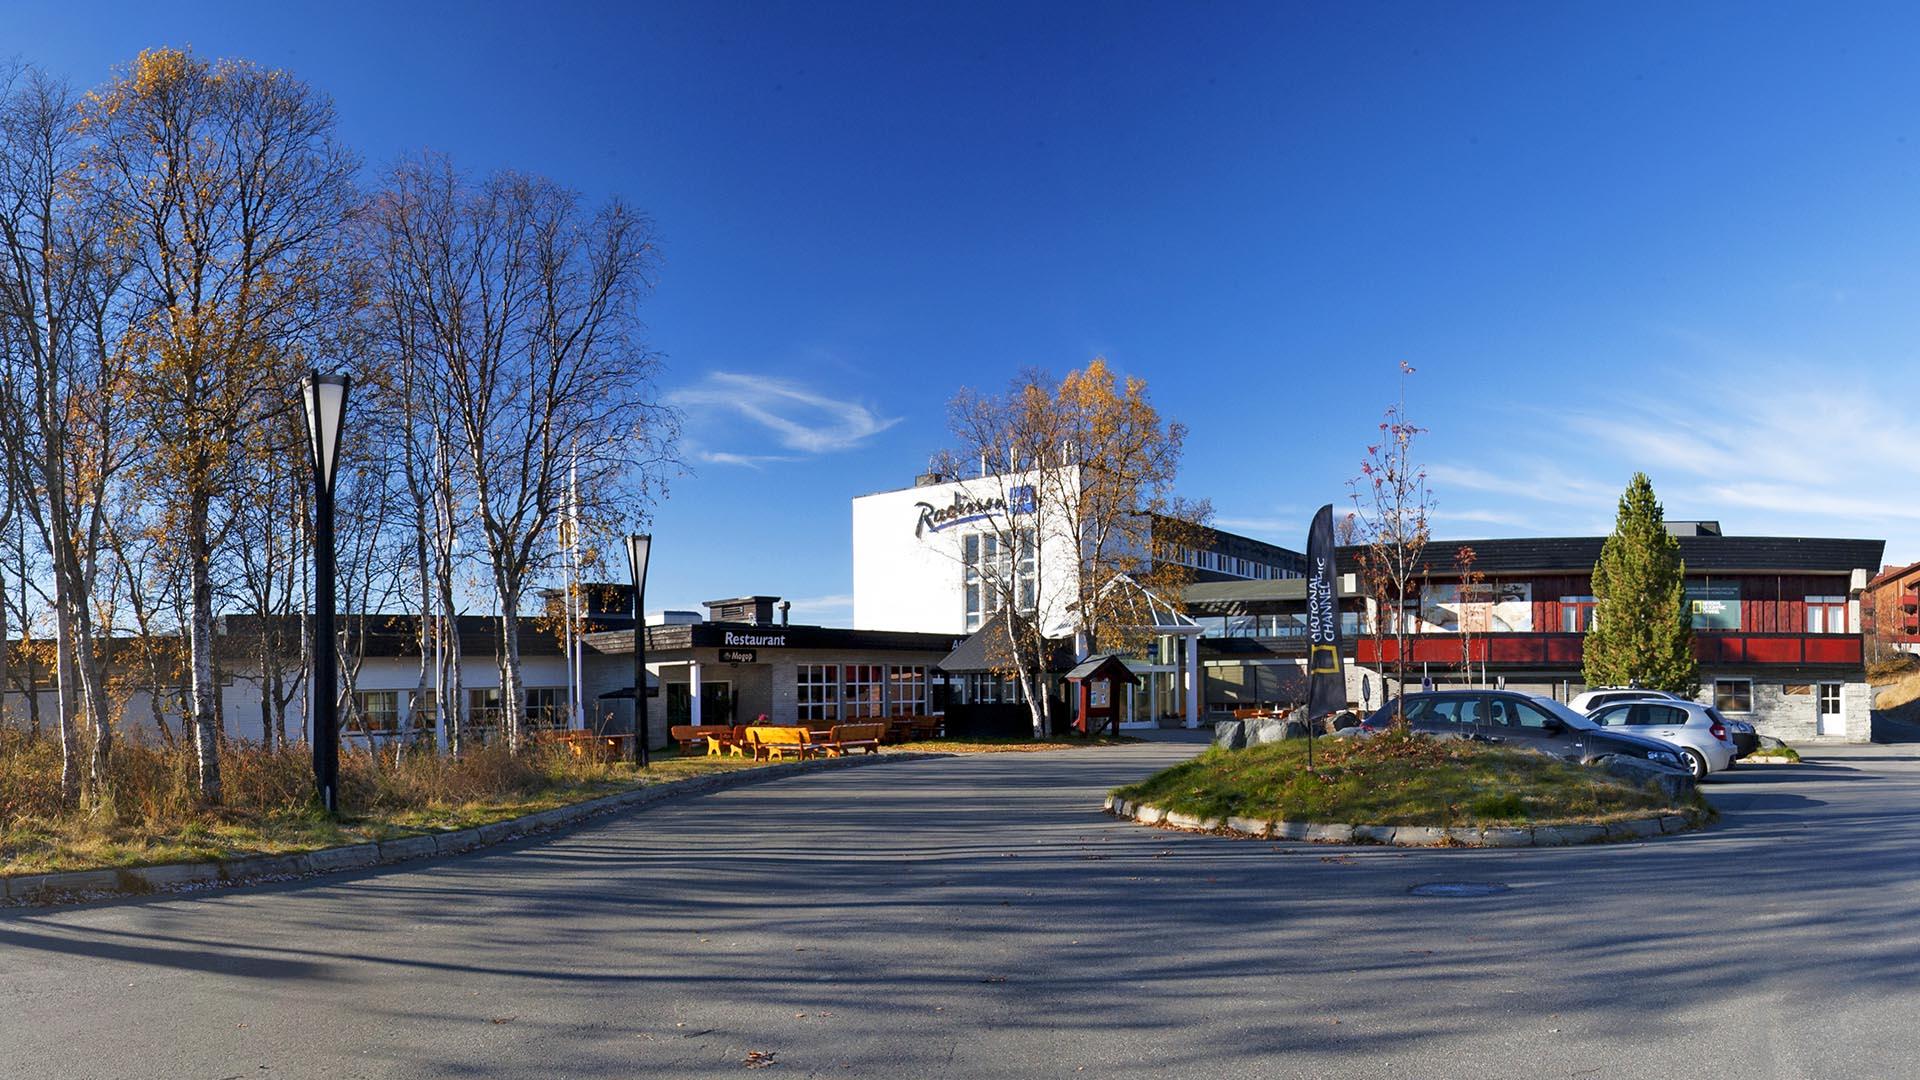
x: 978, y: 917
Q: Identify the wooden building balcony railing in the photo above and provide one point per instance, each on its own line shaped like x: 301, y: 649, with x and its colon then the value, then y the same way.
x: 1561, y: 650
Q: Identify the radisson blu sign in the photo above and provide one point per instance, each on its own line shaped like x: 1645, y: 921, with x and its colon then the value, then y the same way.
x: 931, y: 518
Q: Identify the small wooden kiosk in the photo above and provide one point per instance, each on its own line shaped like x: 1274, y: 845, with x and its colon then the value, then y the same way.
x: 1096, y: 681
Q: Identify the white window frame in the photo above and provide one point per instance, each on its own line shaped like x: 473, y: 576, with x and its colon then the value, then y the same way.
x: 816, y: 691
x: 1821, y: 609
x: 1820, y: 699
x: 863, y: 691
x: 908, y: 686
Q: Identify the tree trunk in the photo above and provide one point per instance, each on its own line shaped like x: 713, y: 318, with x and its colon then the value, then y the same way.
x: 63, y: 680
x: 6, y: 656
x: 205, y: 725
x: 512, y: 691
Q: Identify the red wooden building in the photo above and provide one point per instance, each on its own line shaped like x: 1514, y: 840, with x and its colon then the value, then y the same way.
x: 1777, y: 624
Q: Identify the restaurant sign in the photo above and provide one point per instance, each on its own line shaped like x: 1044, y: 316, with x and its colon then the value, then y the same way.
x: 737, y: 656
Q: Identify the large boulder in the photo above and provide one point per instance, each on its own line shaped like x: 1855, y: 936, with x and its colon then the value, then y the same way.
x: 1230, y: 734
x: 1267, y: 729
x: 1673, y: 783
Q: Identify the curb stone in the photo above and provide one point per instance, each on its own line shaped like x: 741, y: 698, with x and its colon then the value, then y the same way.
x: 411, y: 847
x: 83, y: 885
x: 1250, y: 826
x: 1491, y: 836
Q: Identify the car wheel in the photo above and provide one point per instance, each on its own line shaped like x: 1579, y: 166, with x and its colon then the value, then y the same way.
x: 1696, y: 764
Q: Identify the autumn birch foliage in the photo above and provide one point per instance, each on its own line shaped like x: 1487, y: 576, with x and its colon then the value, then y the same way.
x: 223, y: 183
x: 1102, y: 465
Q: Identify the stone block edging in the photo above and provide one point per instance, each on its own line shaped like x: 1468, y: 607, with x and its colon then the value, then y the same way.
x: 1409, y: 835
x: 76, y: 885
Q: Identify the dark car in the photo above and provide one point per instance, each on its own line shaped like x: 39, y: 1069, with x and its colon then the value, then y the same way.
x: 1745, y: 739
x: 1519, y: 720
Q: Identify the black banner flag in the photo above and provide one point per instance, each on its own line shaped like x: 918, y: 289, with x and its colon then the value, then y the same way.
x: 1326, y: 672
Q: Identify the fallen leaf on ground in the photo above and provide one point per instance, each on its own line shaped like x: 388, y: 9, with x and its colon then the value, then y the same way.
x: 504, y: 1019
x: 759, y: 1059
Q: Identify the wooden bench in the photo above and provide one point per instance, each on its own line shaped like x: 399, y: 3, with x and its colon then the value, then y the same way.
x: 843, y: 739
x: 771, y: 743
x: 584, y: 743
x: 729, y: 741
x: 692, y: 738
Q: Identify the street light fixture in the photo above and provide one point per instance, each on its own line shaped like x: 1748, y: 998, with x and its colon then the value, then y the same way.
x: 326, y: 408
x: 639, y: 546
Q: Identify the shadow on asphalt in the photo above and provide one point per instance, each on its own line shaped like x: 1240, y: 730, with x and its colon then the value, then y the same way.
x: 927, y: 902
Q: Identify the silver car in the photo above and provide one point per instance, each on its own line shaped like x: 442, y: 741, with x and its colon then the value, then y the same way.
x: 1698, y: 731
x: 1586, y: 703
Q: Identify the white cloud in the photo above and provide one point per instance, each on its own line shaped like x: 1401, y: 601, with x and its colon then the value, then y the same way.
x: 836, y: 609
x: 1765, y: 444
x: 727, y: 457
x: 797, y: 418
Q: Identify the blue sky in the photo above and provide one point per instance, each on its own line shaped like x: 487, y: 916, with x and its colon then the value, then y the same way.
x: 1678, y: 238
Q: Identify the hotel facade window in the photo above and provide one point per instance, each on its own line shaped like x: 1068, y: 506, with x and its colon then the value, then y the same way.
x: 547, y: 706
x: 1827, y: 615
x: 986, y: 565
x: 990, y: 689
x: 862, y: 691
x: 1576, y: 614
x: 817, y: 691
x: 377, y: 710
x: 1733, y: 695
x: 908, y: 690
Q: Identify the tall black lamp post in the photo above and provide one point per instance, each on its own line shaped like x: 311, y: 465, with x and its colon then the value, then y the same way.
x: 326, y: 402
x: 639, y: 546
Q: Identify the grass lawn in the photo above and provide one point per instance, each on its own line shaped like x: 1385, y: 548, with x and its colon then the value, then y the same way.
x: 1397, y: 780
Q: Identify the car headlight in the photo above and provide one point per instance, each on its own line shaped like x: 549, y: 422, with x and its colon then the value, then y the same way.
x: 1664, y: 758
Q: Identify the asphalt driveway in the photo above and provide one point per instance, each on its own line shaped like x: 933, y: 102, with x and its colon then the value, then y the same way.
x: 978, y: 917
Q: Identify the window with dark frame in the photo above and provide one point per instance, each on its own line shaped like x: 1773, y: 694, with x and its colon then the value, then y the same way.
x: 1733, y: 695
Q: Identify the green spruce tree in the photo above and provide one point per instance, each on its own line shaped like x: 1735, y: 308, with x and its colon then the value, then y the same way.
x: 1642, y: 629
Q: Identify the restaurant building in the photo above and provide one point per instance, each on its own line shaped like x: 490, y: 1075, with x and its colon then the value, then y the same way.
x: 745, y: 660
x: 1777, y: 626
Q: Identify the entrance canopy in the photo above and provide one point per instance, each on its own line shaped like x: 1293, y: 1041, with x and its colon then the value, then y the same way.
x: 1147, y: 610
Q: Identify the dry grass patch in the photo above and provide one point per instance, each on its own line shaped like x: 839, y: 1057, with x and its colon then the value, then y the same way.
x: 148, y: 814
x: 1897, y: 690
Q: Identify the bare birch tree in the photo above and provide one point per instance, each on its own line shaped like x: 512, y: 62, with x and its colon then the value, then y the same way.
x: 1394, y: 515
x: 64, y: 429
x: 527, y: 324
